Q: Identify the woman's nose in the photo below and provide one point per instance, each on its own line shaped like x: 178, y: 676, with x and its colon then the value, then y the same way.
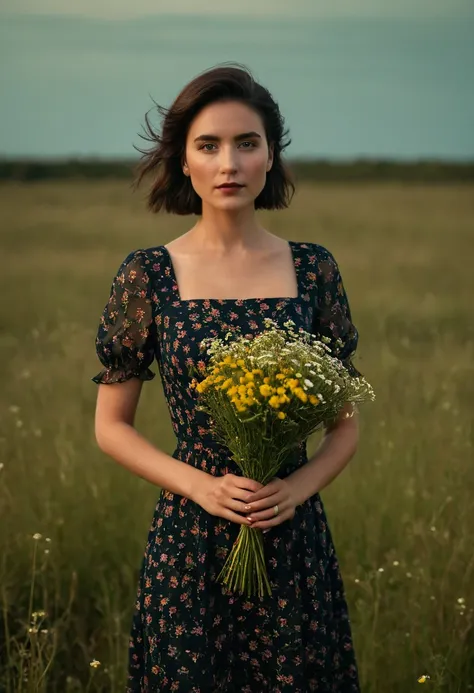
x: 228, y: 160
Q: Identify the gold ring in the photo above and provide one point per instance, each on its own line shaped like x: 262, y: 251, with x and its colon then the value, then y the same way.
x: 276, y: 510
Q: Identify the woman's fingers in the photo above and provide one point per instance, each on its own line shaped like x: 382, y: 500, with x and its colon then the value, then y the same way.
x: 257, y: 507
x: 237, y: 506
x: 235, y: 517
x: 267, y: 514
x: 247, y: 485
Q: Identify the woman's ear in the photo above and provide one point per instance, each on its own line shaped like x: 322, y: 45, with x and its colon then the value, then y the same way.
x: 270, y: 157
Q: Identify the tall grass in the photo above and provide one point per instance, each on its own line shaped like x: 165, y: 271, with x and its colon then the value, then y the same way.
x: 74, y: 524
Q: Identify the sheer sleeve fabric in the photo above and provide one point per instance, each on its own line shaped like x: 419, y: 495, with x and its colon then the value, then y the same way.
x: 126, y: 336
x: 333, y: 315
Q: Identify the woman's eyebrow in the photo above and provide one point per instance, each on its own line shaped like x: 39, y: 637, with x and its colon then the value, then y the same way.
x: 215, y: 138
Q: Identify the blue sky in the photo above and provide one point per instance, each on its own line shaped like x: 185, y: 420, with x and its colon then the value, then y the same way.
x: 352, y: 77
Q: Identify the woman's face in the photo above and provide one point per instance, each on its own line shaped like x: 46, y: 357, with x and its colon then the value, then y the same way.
x: 226, y: 143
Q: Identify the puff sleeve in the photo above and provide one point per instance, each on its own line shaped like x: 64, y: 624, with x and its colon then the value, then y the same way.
x: 333, y: 314
x: 126, y: 336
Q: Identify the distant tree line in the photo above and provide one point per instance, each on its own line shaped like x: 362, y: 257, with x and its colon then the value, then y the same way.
x: 357, y: 170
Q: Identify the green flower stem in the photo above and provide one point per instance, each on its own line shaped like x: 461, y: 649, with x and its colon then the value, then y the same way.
x: 245, y: 570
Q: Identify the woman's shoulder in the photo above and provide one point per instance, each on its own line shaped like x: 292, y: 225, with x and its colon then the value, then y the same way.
x: 149, y: 259
x: 314, y: 253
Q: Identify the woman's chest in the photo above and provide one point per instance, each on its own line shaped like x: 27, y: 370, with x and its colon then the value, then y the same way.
x: 182, y: 325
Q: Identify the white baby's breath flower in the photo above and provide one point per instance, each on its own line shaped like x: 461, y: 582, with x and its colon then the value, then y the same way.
x: 308, y: 383
x: 37, y: 536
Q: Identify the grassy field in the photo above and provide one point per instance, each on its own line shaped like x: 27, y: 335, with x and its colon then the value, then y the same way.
x: 401, y: 513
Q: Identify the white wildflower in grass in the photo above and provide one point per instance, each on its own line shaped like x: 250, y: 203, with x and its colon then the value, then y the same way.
x: 37, y: 536
x: 260, y: 396
x: 95, y: 663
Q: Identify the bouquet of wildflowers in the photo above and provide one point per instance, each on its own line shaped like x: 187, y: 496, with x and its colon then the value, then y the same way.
x: 265, y: 396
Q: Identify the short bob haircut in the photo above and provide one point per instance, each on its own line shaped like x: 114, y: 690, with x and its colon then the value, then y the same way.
x: 171, y: 189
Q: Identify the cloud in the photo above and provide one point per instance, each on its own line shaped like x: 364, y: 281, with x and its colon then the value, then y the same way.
x: 124, y: 9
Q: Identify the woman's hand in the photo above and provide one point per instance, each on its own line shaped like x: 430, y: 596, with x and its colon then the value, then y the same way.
x: 225, y: 496
x: 260, y: 508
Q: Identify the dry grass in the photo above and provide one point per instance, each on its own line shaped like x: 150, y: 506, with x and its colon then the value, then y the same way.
x: 401, y: 514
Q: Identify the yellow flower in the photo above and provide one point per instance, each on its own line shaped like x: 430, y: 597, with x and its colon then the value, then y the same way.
x: 232, y: 391
x: 284, y: 398
x: 257, y: 371
x: 292, y: 383
x: 280, y: 376
x: 249, y: 376
x: 274, y: 402
x: 423, y: 678
x: 265, y: 390
x: 266, y: 380
x: 281, y: 415
x: 242, y: 390
x: 281, y: 390
x: 95, y: 663
x: 313, y: 399
x: 301, y: 394
x: 241, y: 363
x: 227, y: 383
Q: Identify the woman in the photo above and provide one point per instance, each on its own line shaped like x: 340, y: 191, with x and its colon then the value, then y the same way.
x: 189, y: 634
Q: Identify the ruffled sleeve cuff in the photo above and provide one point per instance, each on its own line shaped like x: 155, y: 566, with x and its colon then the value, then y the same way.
x: 108, y: 376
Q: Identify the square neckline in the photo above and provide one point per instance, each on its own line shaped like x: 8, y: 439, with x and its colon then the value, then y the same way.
x: 291, y: 245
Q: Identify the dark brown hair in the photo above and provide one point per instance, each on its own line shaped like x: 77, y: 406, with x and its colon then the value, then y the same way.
x: 171, y: 189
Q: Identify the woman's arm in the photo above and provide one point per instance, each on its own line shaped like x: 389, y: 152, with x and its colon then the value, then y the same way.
x: 334, y: 453
x: 116, y: 436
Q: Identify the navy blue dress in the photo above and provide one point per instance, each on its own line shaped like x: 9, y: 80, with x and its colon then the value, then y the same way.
x: 189, y: 633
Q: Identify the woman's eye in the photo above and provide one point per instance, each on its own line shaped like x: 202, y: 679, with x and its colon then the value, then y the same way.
x: 210, y: 144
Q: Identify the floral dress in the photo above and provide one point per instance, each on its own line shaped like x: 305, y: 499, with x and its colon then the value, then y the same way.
x: 189, y: 633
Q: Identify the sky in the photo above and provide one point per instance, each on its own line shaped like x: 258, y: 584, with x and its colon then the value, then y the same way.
x: 353, y: 78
